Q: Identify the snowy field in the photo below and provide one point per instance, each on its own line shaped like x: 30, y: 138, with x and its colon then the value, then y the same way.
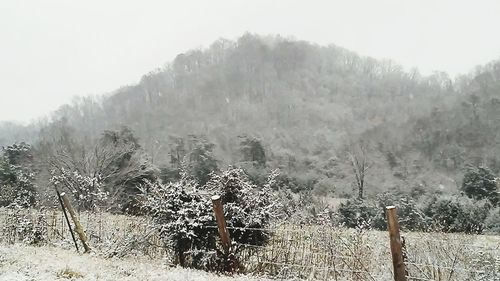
x: 26, y: 263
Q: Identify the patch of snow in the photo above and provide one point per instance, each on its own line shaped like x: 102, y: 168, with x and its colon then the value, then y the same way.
x: 28, y: 263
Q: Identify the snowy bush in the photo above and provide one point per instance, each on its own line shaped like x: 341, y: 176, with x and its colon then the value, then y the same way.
x: 88, y: 191
x: 184, y: 216
x: 20, y: 225
x: 410, y: 214
x: 451, y: 214
x: 188, y: 226
x: 245, y: 205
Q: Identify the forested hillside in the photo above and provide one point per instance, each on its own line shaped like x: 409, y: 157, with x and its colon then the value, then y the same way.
x: 330, y: 120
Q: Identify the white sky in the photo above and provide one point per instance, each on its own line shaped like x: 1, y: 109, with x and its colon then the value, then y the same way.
x: 51, y: 50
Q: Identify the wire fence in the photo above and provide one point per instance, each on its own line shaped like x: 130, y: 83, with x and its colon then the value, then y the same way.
x: 319, y: 253
x: 438, y: 256
x: 292, y: 252
x: 113, y: 235
x: 325, y: 253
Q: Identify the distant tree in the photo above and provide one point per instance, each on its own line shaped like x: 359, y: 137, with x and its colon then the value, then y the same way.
x: 479, y: 183
x: 253, y: 151
x: 473, y: 101
x: 17, y: 178
x: 177, y: 152
x: 201, y: 160
x: 171, y: 172
x: 359, y: 162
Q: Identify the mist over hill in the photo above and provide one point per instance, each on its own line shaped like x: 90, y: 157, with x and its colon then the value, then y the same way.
x: 323, y: 115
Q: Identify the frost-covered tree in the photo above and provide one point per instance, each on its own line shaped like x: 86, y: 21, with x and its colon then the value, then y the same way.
x: 88, y: 191
x: 184, y: 211
x: 184, y: 216
x: 245, y: 204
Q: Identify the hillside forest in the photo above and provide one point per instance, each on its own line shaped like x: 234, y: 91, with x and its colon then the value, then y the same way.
x: 343, y: 135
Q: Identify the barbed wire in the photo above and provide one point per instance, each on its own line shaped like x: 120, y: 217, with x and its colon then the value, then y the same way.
x: 323, y: 268
x: 451, y: 268
x: 419, y: 278
x: 306, y: 253
x: 448, y: 241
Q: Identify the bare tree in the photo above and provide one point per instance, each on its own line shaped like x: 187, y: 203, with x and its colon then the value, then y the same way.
x: 113, y: 164
x: 359, y: 163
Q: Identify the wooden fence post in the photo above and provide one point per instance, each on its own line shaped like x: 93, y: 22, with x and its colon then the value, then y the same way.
x: 396, y: 246
x: 67, y: 220
x: 78, y: 226
x: 221, y: 223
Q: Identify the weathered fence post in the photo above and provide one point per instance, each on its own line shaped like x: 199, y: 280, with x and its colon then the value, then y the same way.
x: 396, y: 246
x: 67, y: 220
x: 221, y: 223
x: 78, y: 226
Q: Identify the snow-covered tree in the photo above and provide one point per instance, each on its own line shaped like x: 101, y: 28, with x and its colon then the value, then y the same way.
x: 88, y: 191
x: 245, y: 205
x: 184, y: 211
x: 183, y: 215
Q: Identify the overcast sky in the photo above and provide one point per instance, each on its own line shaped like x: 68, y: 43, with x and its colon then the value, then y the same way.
x: 51, y: 50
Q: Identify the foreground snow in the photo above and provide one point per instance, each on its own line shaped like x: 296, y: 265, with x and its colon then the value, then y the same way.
x: 21, y: 262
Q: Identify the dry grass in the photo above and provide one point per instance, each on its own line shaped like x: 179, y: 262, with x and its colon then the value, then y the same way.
x: 111, y: 235
x: 307, y: 252
x: 68, y: 273
x: 320, y: 253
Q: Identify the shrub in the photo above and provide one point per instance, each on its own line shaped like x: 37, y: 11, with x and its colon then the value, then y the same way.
x: 410, y: 215
x: 184, y: 216
x: 294, y: 183
x: 88, y: 191
x: 454, y: 214
x: 245, y: 205
x: 458, y: 214
x: 356, y: 212
x: 20, y: 225
x: 188, y: 228
x: 479, y: 183
x: 492, y: 222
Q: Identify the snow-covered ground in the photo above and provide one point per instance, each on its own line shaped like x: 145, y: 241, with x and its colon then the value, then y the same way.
x: 22, y: 263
